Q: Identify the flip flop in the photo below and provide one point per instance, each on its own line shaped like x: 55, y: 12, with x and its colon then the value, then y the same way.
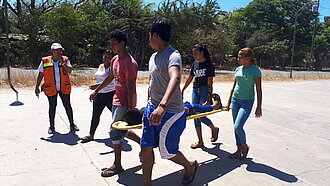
x: 106, y: 169
x: 215, y: 138
x: 111, y: 172
x: 196, y: 145
x: 188, y: 179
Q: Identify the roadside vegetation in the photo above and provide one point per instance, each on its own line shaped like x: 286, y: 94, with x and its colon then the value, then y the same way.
x: 80, y: 26
x: 267, y: 26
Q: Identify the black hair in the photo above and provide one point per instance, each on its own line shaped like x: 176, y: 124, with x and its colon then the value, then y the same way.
x: 203, y: 48
x: 119, y: 35
x: 162, y: 27
x: 108, y: 52
x: 133, y: 116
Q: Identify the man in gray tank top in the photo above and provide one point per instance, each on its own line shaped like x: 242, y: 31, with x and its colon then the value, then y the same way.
x: 164, y: 119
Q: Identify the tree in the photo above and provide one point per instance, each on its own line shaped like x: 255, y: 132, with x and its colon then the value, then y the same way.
x: 275, y: 19
x: 194, y: 23
x: 322, y: 48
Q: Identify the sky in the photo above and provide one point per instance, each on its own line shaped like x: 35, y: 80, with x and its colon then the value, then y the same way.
x: 229, y: 5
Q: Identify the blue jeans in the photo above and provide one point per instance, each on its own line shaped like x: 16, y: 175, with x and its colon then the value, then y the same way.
x: 240, y: 110
x: 199, y: 96
x: 117, y: 135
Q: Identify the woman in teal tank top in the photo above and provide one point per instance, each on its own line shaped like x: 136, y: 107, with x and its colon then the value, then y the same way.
x: 242, y: 96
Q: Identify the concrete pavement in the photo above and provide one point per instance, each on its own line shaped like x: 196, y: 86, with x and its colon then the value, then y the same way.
x: 289, y: 144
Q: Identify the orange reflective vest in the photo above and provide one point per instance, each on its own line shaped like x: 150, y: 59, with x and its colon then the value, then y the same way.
x: 49, y: 86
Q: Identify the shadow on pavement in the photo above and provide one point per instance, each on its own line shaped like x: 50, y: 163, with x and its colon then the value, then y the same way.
x: 262, y: 168
x: 70, y: 138
x: 221, y: 165
x: 130, y: 177
x: 108, y: 142
x: 16, y: 103
x: 207, y: 171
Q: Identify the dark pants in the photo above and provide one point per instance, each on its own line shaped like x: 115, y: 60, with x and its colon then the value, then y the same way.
x: 101, y: 101
x: 52, y: 108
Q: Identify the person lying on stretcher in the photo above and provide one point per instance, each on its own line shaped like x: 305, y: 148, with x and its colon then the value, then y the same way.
x: 134, y: 116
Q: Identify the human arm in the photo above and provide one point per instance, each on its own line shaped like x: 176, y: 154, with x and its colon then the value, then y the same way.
x: 209, y: 90
x: 148, y: 90
x: 231, y: 94
x: 94, y: 86
x: 189, y: 80
x: 105, y: 82
x: 67, y: 66
x: 39, y: 79
x: 130, y: 83
x: 158, y: 113
x: 258, y: 112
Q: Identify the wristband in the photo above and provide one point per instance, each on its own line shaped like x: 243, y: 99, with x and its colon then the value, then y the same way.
x: 163, y: 106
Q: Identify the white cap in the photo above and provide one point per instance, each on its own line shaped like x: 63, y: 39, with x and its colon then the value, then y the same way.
x: 56, y: 46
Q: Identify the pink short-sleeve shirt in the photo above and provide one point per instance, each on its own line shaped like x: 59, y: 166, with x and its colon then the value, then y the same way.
x: 123, y: 69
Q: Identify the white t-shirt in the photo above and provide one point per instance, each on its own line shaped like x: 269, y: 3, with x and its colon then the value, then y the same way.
x: 100, y: 76
x: 56, y: 71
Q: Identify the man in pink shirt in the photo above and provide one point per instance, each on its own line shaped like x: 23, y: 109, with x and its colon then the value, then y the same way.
x: 124, y: 70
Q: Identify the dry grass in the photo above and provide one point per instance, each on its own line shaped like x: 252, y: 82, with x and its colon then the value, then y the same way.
x: 23, y: 79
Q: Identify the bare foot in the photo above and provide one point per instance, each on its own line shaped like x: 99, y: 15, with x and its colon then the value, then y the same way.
x: 217, y: 101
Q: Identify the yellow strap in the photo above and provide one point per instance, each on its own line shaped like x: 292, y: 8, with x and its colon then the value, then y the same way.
x: 206, y: 113
x: 122, y: 125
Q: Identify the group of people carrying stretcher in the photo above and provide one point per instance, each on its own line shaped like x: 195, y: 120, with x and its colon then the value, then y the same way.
x: 164, y: 117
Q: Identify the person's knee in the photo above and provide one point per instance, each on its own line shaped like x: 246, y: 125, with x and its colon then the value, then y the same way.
x: 67, y: 104
x: 238, y: 128
x: 198, y: 125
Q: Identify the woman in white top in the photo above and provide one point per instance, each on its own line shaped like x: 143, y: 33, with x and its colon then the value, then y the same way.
x: 104, y: 97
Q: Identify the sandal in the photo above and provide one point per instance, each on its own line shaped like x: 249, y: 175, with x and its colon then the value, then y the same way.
x: 215, y: 137
x: 111, y: 172
x: 86, y: 139
x: 107, y: 169
x: 196, y: 145
x: 188, y: 179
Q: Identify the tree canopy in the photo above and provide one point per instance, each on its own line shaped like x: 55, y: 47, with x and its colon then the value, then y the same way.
x: 81, y: 26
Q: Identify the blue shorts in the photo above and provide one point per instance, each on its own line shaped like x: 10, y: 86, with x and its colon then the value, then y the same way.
x: 166, y: 136
x: 117, y: 135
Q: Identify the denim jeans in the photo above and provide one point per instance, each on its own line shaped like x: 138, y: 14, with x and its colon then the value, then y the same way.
x: 240, y: 110
x: 199, y: 96
x: 117, y: 135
